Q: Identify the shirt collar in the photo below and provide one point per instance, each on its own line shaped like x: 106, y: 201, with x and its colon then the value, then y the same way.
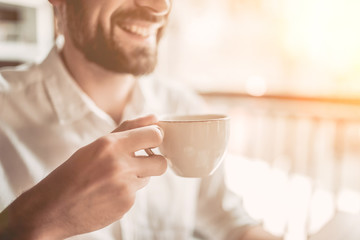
x: 70, y: 102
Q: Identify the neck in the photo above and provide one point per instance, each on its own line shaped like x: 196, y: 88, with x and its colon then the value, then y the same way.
x: 110, y: 91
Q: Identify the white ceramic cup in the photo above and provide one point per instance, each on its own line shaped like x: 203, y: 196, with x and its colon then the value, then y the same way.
x: 194, y: 145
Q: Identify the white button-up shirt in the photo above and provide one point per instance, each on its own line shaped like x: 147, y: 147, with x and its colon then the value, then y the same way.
x: 45, y: 117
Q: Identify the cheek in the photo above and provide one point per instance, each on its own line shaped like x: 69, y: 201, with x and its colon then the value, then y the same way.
x: 103, y: 19
x: 109, y: 9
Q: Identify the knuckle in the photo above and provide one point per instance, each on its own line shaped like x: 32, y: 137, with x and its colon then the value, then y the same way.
x: 102, y: 148
x: 104, y: 143
x: 109, y: 149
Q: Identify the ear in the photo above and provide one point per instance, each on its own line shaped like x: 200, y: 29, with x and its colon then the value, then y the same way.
x: 58, y: 6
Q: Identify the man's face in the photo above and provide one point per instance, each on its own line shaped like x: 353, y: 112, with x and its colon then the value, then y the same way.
x: 119, y: 35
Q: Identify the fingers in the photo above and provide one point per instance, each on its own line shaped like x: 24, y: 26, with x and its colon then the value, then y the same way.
x: 155, y: 165
x: 134, y: 135
x: 136, y: 123
x: 142, y: 138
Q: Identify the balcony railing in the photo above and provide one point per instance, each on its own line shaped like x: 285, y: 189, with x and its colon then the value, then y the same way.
x: 308, y: 151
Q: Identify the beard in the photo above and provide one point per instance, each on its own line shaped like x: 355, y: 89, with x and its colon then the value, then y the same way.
x: 104, y: 50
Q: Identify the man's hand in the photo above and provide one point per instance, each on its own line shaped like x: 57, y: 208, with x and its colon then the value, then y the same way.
x: 93, y: 188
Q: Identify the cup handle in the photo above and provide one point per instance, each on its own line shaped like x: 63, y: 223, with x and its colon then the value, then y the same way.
x: 149, y: 152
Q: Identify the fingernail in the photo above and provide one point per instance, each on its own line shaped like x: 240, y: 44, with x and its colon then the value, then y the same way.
x: 162, y: 131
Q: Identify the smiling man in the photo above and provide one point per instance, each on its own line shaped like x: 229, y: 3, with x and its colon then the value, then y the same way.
x: 66, y: 173
x: 120, y: 36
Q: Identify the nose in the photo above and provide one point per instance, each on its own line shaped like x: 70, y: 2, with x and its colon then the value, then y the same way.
x: 157, y: 7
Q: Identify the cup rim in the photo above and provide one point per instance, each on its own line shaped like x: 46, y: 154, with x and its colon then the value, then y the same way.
x: 186, y: 118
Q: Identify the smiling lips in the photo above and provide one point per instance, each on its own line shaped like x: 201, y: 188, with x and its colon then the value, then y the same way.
x: 141, y: 29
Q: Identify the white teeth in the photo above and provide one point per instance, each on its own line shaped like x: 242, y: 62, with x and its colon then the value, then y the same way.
x: 142, y: 31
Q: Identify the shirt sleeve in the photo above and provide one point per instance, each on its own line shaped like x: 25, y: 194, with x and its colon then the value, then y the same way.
x: 220, y: 212
x: 6, y: 193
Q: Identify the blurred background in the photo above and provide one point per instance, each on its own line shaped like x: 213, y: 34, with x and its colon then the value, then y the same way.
x: 288, y: 74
